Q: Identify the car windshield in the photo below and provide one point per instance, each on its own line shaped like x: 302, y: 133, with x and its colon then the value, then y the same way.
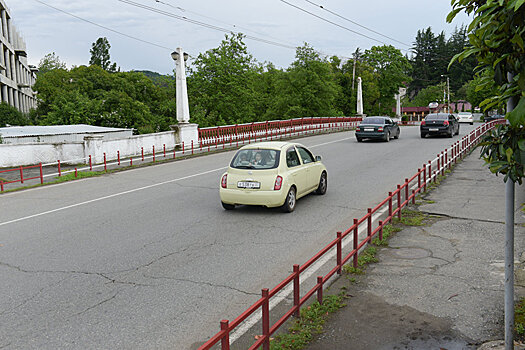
x: 436, y: 117
x: 373, y: 120
x: 258, y: 159
x: 464, y: 113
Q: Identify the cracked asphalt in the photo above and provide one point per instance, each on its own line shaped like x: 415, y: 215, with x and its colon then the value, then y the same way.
x: 148, y: 259
x: 438, y: 286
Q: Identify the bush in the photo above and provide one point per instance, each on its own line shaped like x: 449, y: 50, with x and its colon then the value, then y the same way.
x: 11, y: 116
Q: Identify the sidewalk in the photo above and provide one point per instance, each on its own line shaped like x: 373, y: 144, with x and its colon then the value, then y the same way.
x: 438, y: 286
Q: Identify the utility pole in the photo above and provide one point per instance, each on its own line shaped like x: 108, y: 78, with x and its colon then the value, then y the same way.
x: 448, y: 95
x: 356, y: 53
x: 509, y: 248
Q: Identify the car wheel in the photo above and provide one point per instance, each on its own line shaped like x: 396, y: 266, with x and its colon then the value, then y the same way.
x: 359, y: 139
x: 323, y: 184
x: 387, y: 136
x: 228, y: 206
x: 289, y: 203
x: 396, y: 136
x: 423, y: 135
x: 471, y: 123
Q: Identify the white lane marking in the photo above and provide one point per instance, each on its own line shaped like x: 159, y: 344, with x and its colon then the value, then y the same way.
x: 287, y: 291
x: 329, y: 142
x: 109, y: 196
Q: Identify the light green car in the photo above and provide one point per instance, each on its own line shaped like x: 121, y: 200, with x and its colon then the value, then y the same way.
x: 272, y: 174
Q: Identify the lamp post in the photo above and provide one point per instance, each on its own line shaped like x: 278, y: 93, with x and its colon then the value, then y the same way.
x: 448, y: 93
x: 183, y: 111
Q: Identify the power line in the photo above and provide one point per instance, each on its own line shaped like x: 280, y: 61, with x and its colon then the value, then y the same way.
x: 104, y: 27
x: 354, y: 22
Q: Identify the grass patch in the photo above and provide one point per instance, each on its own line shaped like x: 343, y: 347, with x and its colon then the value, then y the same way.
x: 412, y: 218
x: 80, y: 175
x: 309, y: 323
x: 519, y: 319
x: 388, y: 230
x: 350, y: 269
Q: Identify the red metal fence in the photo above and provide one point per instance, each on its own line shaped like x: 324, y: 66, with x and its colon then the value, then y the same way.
x: 209, y: 138
x: 391, y: 206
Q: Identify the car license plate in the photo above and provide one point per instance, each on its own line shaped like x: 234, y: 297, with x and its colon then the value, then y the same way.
x: 433, y: 129
x: 369, y: 129
x: 248, y: 184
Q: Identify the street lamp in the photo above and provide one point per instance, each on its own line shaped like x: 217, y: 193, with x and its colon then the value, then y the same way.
x: 448, y: 93
x: 183, y: 112
x: 175, y: 55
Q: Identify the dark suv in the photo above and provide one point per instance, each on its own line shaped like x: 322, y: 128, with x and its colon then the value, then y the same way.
x: 439, y: 124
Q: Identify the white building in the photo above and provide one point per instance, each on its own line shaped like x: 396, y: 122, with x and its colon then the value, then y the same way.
x: 16, y: 76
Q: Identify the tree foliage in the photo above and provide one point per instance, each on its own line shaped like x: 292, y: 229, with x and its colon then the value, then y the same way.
x: 497, y: 36
x: 50, y: 62
x: 11, y: 116
x: 100, y: 55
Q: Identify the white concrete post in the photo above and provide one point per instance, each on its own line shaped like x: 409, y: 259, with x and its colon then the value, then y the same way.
x: 183, y: 110
x: 359, y: 96
x: 93, y: 148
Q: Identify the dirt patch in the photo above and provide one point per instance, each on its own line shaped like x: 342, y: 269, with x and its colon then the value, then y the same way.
x: 375, y: 324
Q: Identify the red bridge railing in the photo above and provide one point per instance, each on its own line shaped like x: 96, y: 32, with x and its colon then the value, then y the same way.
x: 20, y: 170
x: 362, y: 228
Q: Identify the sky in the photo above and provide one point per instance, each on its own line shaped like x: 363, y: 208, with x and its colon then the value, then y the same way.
x: 47, y: 30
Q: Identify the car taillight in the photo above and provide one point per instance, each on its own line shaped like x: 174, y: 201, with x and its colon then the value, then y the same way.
x: 380, y: 128
x: 445, y: 122
x: 358, y: 128
x: 278, y: 183
x: 224, y: 180
x: 423, y: 122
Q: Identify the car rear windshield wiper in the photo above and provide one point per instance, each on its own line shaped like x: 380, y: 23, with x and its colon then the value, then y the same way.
x: 245, y: 167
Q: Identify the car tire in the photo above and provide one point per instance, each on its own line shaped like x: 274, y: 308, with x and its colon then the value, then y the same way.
x: 397, y: 135
x: 323, y: 184
x: 228, y: 206
x: 423, y: 135
x: 290, y: 201
x: 387, y: 136
x: 471, y: 123
x: 359, y: 139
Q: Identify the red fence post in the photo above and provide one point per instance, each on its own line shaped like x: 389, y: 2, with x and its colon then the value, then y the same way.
x: 59, y: 169
x: 339, y: 252
x: 266, y: 318
x: 413, y: 196
x: 105, y: 165
x: 438, y: 158
x: 369, y: 224
x: 2, y: 185
x: 380, y: 230
x: 429, y: 171
x: 419, y: 179
x: 118, y: 157
x: 131, y: 161
x: 21, y: 174
x: 390, y: 204
x: 406, y: 190
x: 296, y: 292
x: 225, y: 341
x: 41, y: 175
x: 424, y: 177
x: 320, y: 289
x: 191, y: 146
x: 399, y: 202
x: 90, y: 164
x: 76, y: 172
x: 164, y: 150
x: 182, y: 147
x: 355, y: 242
x: 142, y: 152
x: 153, y: 153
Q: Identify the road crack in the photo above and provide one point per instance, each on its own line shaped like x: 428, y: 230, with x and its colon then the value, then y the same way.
x: 202, y: 283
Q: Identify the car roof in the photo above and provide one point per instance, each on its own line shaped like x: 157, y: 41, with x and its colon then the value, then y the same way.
x: 276, y: 145
x: 439, y: 114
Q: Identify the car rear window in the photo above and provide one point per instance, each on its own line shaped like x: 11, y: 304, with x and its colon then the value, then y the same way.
x: 372, y: 120
x: 258, y: 159
x: 436, y: 117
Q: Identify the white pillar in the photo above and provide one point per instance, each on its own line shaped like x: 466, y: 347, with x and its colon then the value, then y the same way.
x: 183, y: 110
x: 93, y: 147
x: 359, y: 96
x: 398, y: 105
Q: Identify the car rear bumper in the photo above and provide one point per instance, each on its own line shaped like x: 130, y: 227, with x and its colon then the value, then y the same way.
x: 369, y: 135
x: 253, y: 197
x: 434, y: 130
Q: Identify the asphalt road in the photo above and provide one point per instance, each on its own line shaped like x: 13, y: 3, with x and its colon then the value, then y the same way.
x: 148, y: 258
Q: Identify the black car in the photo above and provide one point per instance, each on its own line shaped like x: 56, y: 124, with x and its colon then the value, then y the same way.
x: 494, y: 117
x: 379, y: 128
x: 439, y: 124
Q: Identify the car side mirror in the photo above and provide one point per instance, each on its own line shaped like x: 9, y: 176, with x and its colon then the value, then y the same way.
x: 317, y: 158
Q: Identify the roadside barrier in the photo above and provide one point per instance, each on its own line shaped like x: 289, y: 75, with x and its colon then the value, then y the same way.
x: 391, y: 206
x: 209, y: 139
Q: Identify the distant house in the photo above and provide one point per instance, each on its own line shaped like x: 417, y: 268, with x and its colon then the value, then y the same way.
x: 418, y: 113
x: 59, y: 133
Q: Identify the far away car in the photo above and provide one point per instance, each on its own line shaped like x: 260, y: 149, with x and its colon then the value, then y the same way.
x: 466, y: 117
x: 439, y: 124
x: 493, y: 117
x: 272, y: 174
x: 379, y: 128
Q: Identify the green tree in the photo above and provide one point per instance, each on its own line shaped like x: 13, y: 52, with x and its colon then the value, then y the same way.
x: 100, y: 55
x: 307, y: 89
x: 393, y: 69
x: 426, y: 95
x: 11, y: 116
x: 221, y: 84
x: 50, y: 62
x: 497, y: 36
x: 477, y: 92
